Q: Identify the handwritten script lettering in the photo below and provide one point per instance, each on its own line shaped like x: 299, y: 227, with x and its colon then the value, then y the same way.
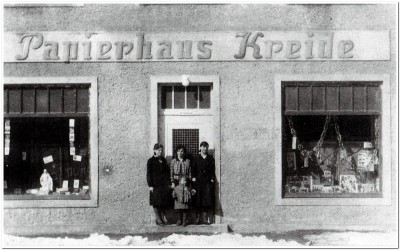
x: 197, y: 46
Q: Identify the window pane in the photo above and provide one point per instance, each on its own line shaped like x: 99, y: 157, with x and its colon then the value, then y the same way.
x: 374, y: 99
x: 192, y: 97
x: 318, y: 96
x: 42, y: 100
x: 5, y: 101
x: 43, y: 143
x: 360, y: 98
x: 291, y: 96
x: 305, y: 98
x: 345, y: 98
x: 28, y: 100
x: 69, y: 100
x: 204, y: 96
x: 166, y: 97
x: 82, y: 100
x: 56, y: 100
x: 14, y: 100
x: 332, y: 171
x: 332, y: 98
x: 179, y: 97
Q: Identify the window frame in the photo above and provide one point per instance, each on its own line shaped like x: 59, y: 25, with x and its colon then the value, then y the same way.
x: 187, y: 111
x: 93, y: 142
x: 385, y: 199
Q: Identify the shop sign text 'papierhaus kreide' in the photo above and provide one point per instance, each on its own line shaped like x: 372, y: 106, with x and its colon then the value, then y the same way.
x: 196, y: 46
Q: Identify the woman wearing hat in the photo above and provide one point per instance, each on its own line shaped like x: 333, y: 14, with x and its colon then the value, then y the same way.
x: 203, y: 173
x: 158, y: 179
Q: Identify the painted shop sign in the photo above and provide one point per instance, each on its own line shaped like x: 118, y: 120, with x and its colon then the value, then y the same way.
x: 196, y: 46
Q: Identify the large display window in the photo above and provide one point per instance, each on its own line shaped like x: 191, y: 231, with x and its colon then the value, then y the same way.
x: 50, y: 142
x: 331, y: 139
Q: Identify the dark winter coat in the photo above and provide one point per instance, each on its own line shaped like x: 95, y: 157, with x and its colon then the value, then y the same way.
x: 204, y: 172
x: 158, y: 178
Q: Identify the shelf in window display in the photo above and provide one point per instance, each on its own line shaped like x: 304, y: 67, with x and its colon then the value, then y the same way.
x: 333, y: 195
x: 53, y: 196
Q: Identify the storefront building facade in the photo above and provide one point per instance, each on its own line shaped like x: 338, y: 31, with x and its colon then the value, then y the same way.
x: 297, y: 102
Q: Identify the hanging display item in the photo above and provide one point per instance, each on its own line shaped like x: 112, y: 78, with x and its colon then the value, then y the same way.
x: 367, y: 144
x: 365, y: 160
x: 291, y: 161
x: 306, y: 162
x: 72, y: 136
x: 7, y: 137
x: 71, y: 123
x: 48, y: 159
x: 349, y: 169
x: 294, y: 142
x: 300, y: 147
x: 77, y: 158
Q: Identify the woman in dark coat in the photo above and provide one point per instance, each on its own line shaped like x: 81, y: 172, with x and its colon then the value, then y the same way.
x: 203, y: 172
x: 158, y: 179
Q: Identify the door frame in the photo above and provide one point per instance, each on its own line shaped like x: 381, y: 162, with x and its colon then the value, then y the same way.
x: 155, y: 81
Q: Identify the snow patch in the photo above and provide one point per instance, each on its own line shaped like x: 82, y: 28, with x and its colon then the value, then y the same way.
x: 224, y: 239
x: 367, y: 239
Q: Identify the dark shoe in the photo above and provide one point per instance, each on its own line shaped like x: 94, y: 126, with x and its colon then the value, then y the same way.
x: 205, y: 218
x: 164, y: 219
x: 184, y: 220
x: 160, y: 223
x: 179, y: 222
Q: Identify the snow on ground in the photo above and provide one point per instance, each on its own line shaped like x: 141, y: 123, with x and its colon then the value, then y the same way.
x: 221, y: 240
x: 358, y: 239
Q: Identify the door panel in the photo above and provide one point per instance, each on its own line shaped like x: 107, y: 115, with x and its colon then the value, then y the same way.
x: 202, y: 123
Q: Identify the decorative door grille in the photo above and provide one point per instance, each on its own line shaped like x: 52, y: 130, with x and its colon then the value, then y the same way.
x: 187, y: 137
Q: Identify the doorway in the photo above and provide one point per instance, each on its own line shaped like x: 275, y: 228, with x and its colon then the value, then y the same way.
x: 187, y: 115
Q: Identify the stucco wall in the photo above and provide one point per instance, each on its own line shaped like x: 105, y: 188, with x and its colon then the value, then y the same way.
x: 247, y: 93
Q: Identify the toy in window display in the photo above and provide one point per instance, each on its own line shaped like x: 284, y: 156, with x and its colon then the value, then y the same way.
x: 367, y: 188
x: 46, y: 182
x: 365, y: 160
x: 291, y: 161
x: 327, y: 178
x: 298, y: 184
x: 349, y: 183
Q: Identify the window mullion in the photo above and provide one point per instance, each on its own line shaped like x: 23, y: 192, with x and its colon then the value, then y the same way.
x: 173, y: 97
x: 185, y: 98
